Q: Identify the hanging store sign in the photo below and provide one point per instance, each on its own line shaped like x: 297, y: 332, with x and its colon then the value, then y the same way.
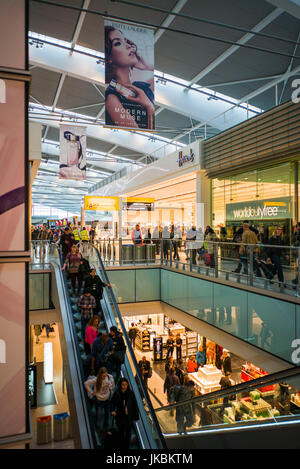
x: 185, y: 158
x: 138, y: 204
x: 268, y: 209
x: 129, y: 76
x: 72, y: 159
x: 103, y: 204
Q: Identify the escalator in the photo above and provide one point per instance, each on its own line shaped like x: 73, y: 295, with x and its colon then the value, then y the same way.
x: 262, y: 413
x: 87, y: 435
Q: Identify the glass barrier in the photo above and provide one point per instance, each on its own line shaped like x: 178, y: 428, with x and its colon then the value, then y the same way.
x: 272, y: 267
x: 267, y: 400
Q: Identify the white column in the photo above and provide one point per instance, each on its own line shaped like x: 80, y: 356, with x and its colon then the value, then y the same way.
x: 202, y: 200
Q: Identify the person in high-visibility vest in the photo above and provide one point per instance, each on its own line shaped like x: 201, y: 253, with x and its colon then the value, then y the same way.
x: 85, y: 239
x: 76, y: 235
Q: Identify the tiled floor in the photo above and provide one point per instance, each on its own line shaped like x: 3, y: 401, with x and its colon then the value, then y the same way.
x: 61, y: 397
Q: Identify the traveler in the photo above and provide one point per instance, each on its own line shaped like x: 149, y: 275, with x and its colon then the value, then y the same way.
x: 100, y: 388
x: 170, y: 346
x: 146, y: 370
x: 225, y: 383
x: 178, y: 345
x: 226, y: 362
x: 65, y: 243
x: 210, y: 238
x: 132, y: 333
x: 76, y: 235
x: 117, y: 357
x: 85, y: 239
x: 274, y: 253
x: 125, y: 411
x: 136, y: 235
x: 170, y: 381
x: 186, y: 411
x: 201, y: 357
x: 180, y: 370
x: 169, y: 364
x: 86, y: 304
x: 95, y: 284
x: 101, y: 349
x: 92, y: 235
x: 166, y: 242
x: 192, y: 365
x: 191, y: 236
x: 91, y: 334
x: 73, y: 260
x: 249, y: 237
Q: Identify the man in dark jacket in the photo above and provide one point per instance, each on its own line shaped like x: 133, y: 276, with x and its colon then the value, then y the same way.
x: 132, y: 333
x: 170, y: 381
x: 186, y: 411
x: 274, y: 253
x: 125, y: 410
x: 65, y: 242
x: 145, y: 368
x: 117, y: 356
x: 94, y: 283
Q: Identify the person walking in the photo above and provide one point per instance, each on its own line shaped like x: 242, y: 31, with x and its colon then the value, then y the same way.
x: 125, y: 411
x: 274, y: 253
x: 132, y: 333
x: 226, y: 362
x: 185, y: 413
x: 101, y: 388
x: 170, y: 381
x: 85, y: 240
x: 249, y: 237
x: 86, y: 304
x: 210, y: 238
x: 136, y: 235
x: 145, y: 368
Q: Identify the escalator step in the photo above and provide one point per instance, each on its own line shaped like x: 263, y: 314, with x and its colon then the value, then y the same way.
x: 78, y: 326
x: 77, y: 317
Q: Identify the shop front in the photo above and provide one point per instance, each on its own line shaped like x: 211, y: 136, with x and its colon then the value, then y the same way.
x: 266, y: 197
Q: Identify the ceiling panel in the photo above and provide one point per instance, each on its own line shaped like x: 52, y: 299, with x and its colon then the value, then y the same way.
x: 54, y: 21
x: 76, y: 93
x: 92, y: 35
x: 98, y: 145
x: 190, y: 55
x: 44, y: 85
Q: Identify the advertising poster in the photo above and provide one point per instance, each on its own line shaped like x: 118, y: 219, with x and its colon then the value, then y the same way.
x: 138, y: 204
x: 12, y: 165
x: 129, y: 76
x: 102, y: 204
x: 12, y: 349
x: 72, y: 159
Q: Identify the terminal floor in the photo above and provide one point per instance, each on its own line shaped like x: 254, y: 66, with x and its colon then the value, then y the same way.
x: 61, y: 397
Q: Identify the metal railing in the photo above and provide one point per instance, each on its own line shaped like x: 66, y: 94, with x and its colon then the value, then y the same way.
x: 245, y: 264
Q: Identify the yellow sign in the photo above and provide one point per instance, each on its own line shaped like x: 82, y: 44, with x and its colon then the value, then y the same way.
x: 141, y: 200
x: 103, y: 204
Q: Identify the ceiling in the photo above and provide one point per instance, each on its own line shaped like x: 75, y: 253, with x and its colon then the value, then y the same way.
x: 221, y: 74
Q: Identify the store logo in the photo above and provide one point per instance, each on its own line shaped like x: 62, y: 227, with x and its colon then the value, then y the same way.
x: 296, y: 353
x: 2, y: 351
x: 2, y: 92
x: 185, y: 158
x: 296, y: 93
x: 250, y: 212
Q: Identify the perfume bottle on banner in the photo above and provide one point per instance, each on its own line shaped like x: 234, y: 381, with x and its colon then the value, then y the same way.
x: 74, y: 149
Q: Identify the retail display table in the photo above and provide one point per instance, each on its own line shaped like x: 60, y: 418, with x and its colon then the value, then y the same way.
x: 207, y: 379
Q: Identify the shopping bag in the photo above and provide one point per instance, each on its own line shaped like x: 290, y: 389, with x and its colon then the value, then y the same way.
x: 206, y: 258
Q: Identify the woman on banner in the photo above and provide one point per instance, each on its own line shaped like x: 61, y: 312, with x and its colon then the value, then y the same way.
x: 128, y: 104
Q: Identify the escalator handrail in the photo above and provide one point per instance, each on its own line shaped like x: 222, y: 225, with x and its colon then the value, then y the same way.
x: 132, y: 355
x: 246, y: 386
x: 77, y: 350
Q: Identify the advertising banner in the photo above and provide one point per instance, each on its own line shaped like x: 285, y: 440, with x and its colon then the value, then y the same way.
x: 129, y: 76
x: 138, y: 203
x: 267, y: 209
x: 12, y: 165
x: 12, y: 349
x: 72, y: 159
x: 103, y: 204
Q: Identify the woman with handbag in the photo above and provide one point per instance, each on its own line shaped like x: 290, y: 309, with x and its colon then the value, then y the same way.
x: 74, y: 260
x: 125, y: 410
x: 100, y: 388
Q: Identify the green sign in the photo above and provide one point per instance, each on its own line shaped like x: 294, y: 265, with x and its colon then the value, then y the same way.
x: 267, y: 209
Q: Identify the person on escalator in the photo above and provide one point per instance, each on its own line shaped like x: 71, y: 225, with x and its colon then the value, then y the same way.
x: 95, y: 284
x: 102, y: 347
x: 125, y: 411
x: 185, y: 413
x: 86, y: 304
x: 117, y: 357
